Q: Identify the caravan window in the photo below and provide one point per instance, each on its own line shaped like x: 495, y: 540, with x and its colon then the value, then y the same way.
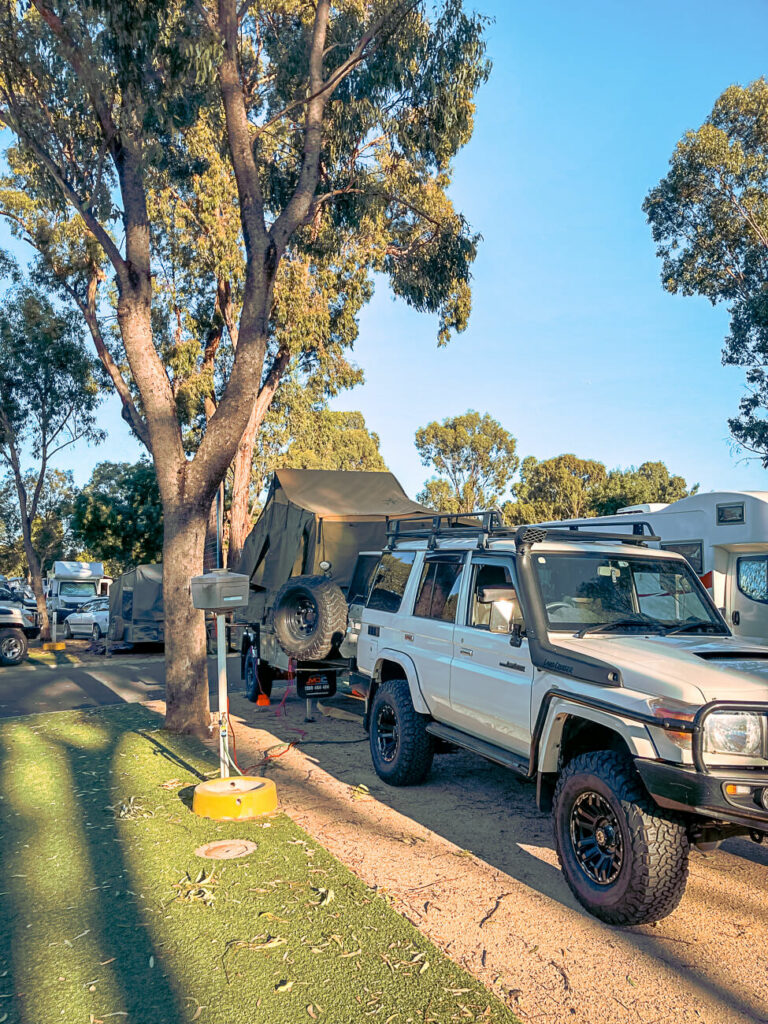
x: 692, y: 550
x: 752, y: 577
x: 390, y: 580
x: 728, y: 515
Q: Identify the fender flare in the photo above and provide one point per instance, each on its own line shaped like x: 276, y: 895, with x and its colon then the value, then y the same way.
x: 409, y: 670
x: 634, y: 733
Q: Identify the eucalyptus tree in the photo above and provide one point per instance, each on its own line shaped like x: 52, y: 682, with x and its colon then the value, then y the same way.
x: 709, y: 218
x: 48, y: 401
x: 340, y: 124
x: 474, y: 458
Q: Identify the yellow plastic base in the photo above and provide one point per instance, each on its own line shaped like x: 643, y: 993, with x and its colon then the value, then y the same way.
x: 58, y: 646
x: 235, y: 799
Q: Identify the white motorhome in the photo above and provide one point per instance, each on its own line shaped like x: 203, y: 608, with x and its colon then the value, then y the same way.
x: 724, y: 535
x: 72, y: 584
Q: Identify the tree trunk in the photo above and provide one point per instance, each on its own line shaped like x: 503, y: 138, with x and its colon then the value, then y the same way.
x: 239, y: 513
x: 35, y: 572
x: 186, y: 668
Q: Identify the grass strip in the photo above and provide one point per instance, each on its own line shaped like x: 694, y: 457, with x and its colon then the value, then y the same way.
x: 108, y: 917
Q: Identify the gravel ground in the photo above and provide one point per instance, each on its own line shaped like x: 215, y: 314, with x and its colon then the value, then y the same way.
x: 470, y: 860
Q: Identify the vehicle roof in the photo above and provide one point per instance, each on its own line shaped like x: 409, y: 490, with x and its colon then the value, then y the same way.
x: 507, y: 545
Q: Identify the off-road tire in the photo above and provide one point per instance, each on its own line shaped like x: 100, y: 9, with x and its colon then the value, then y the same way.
x: 651, y: 879
x: 310, y: 617
x: 13, y: 646
x: 411, y: 758
x: 253, y: 685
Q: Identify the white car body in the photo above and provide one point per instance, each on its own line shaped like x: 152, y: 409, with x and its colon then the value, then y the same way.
x: 92, y: 613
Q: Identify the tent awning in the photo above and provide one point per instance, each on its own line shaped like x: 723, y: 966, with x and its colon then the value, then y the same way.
x: 340, y: 494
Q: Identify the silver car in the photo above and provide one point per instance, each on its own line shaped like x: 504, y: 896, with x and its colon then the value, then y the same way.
x: 91, y: 619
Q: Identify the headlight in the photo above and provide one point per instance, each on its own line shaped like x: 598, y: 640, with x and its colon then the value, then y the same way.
x: 734, y: 734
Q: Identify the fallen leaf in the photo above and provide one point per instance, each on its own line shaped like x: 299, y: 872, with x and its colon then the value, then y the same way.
x: 171, y: 784
x: 311, y: 1012
x: 197, y: 1013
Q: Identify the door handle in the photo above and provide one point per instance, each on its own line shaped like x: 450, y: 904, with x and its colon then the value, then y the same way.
x: 735, y: 618
x: 465, y: 651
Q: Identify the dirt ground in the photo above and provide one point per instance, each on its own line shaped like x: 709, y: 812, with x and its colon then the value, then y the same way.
x: 470, y: 860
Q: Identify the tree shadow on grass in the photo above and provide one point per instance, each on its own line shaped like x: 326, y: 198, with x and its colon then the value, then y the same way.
x: 110, y: 913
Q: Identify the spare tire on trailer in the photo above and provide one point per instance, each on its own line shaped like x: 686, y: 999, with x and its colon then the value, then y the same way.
x: 310, y: 616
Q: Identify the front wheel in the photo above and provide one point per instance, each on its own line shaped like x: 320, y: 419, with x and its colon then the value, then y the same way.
x: 625, y: 859
x: 401, y: 748
x: 96, y: 631
x: 13, y: 646
x: 67, y: 630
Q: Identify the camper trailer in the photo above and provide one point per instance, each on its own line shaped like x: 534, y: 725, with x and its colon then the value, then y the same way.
x: 724, y: 535
x: 300, y: 559
x: 136, y: 606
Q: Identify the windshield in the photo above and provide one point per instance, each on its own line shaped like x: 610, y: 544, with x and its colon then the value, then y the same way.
x: 592, y: 592
x: 77, y: 588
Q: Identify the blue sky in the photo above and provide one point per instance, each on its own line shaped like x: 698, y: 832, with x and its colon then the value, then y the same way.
x: 573, y: 345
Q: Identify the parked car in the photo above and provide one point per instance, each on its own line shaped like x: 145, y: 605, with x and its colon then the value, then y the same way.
x: 92, y: 619
x: 17, y: 626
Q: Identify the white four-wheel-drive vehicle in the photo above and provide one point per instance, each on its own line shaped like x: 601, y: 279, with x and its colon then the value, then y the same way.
x: 587, y: 662
x: 18, y: 625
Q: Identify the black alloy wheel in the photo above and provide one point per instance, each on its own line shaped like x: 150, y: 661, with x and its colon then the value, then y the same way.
x: 387, y: 735
x: 596, y: 838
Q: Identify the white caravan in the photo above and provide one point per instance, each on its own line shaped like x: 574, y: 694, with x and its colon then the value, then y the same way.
x: 724, y: 535
x: 72, y: 584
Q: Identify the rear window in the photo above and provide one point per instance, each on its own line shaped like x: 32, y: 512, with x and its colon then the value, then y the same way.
x: 390, y: 580
x: 362, y: 578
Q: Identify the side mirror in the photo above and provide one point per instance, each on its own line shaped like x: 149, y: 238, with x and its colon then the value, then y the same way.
x: 516, y: 636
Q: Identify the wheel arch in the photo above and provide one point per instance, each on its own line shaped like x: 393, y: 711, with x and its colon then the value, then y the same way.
x: 391, y: 664
x: 571, y: 730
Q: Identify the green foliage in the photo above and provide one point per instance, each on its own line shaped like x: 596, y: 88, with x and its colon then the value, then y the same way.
x: 474, y: 457
x: 566, y: 487
x: 557, y: 488
x: 51, y: 535
x: 651, y: 482
x: 118, y: 515
x: 301, y: 432
x: 709, y: 217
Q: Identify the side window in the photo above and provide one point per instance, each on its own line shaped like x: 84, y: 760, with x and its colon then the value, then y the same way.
x: 390, y: 580
x: 752, y: 577
x: 500, y: 616
x: 438, y: 595
x: 692, y: 550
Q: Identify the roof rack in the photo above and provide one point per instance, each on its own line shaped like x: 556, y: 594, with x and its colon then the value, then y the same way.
x: 638, y: 526
x: 488, y: 524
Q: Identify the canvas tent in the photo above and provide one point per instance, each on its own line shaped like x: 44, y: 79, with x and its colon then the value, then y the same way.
x: 136, y: 606
x: 315, y: 515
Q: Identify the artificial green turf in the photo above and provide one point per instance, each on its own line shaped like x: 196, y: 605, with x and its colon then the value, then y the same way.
x: 102, y: 919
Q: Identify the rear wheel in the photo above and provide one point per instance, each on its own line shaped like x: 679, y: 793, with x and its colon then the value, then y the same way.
x: 401, y: 748
x: 258, y: 677
x: 13, y: 646
x: 624, y: 858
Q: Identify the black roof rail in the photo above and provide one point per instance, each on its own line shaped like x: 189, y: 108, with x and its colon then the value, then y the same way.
x: 638, y: 525
x: 486, y: 524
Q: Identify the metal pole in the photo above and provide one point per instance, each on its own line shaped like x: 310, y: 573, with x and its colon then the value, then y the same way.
x: 53, y: 627
x: 221, y: 654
